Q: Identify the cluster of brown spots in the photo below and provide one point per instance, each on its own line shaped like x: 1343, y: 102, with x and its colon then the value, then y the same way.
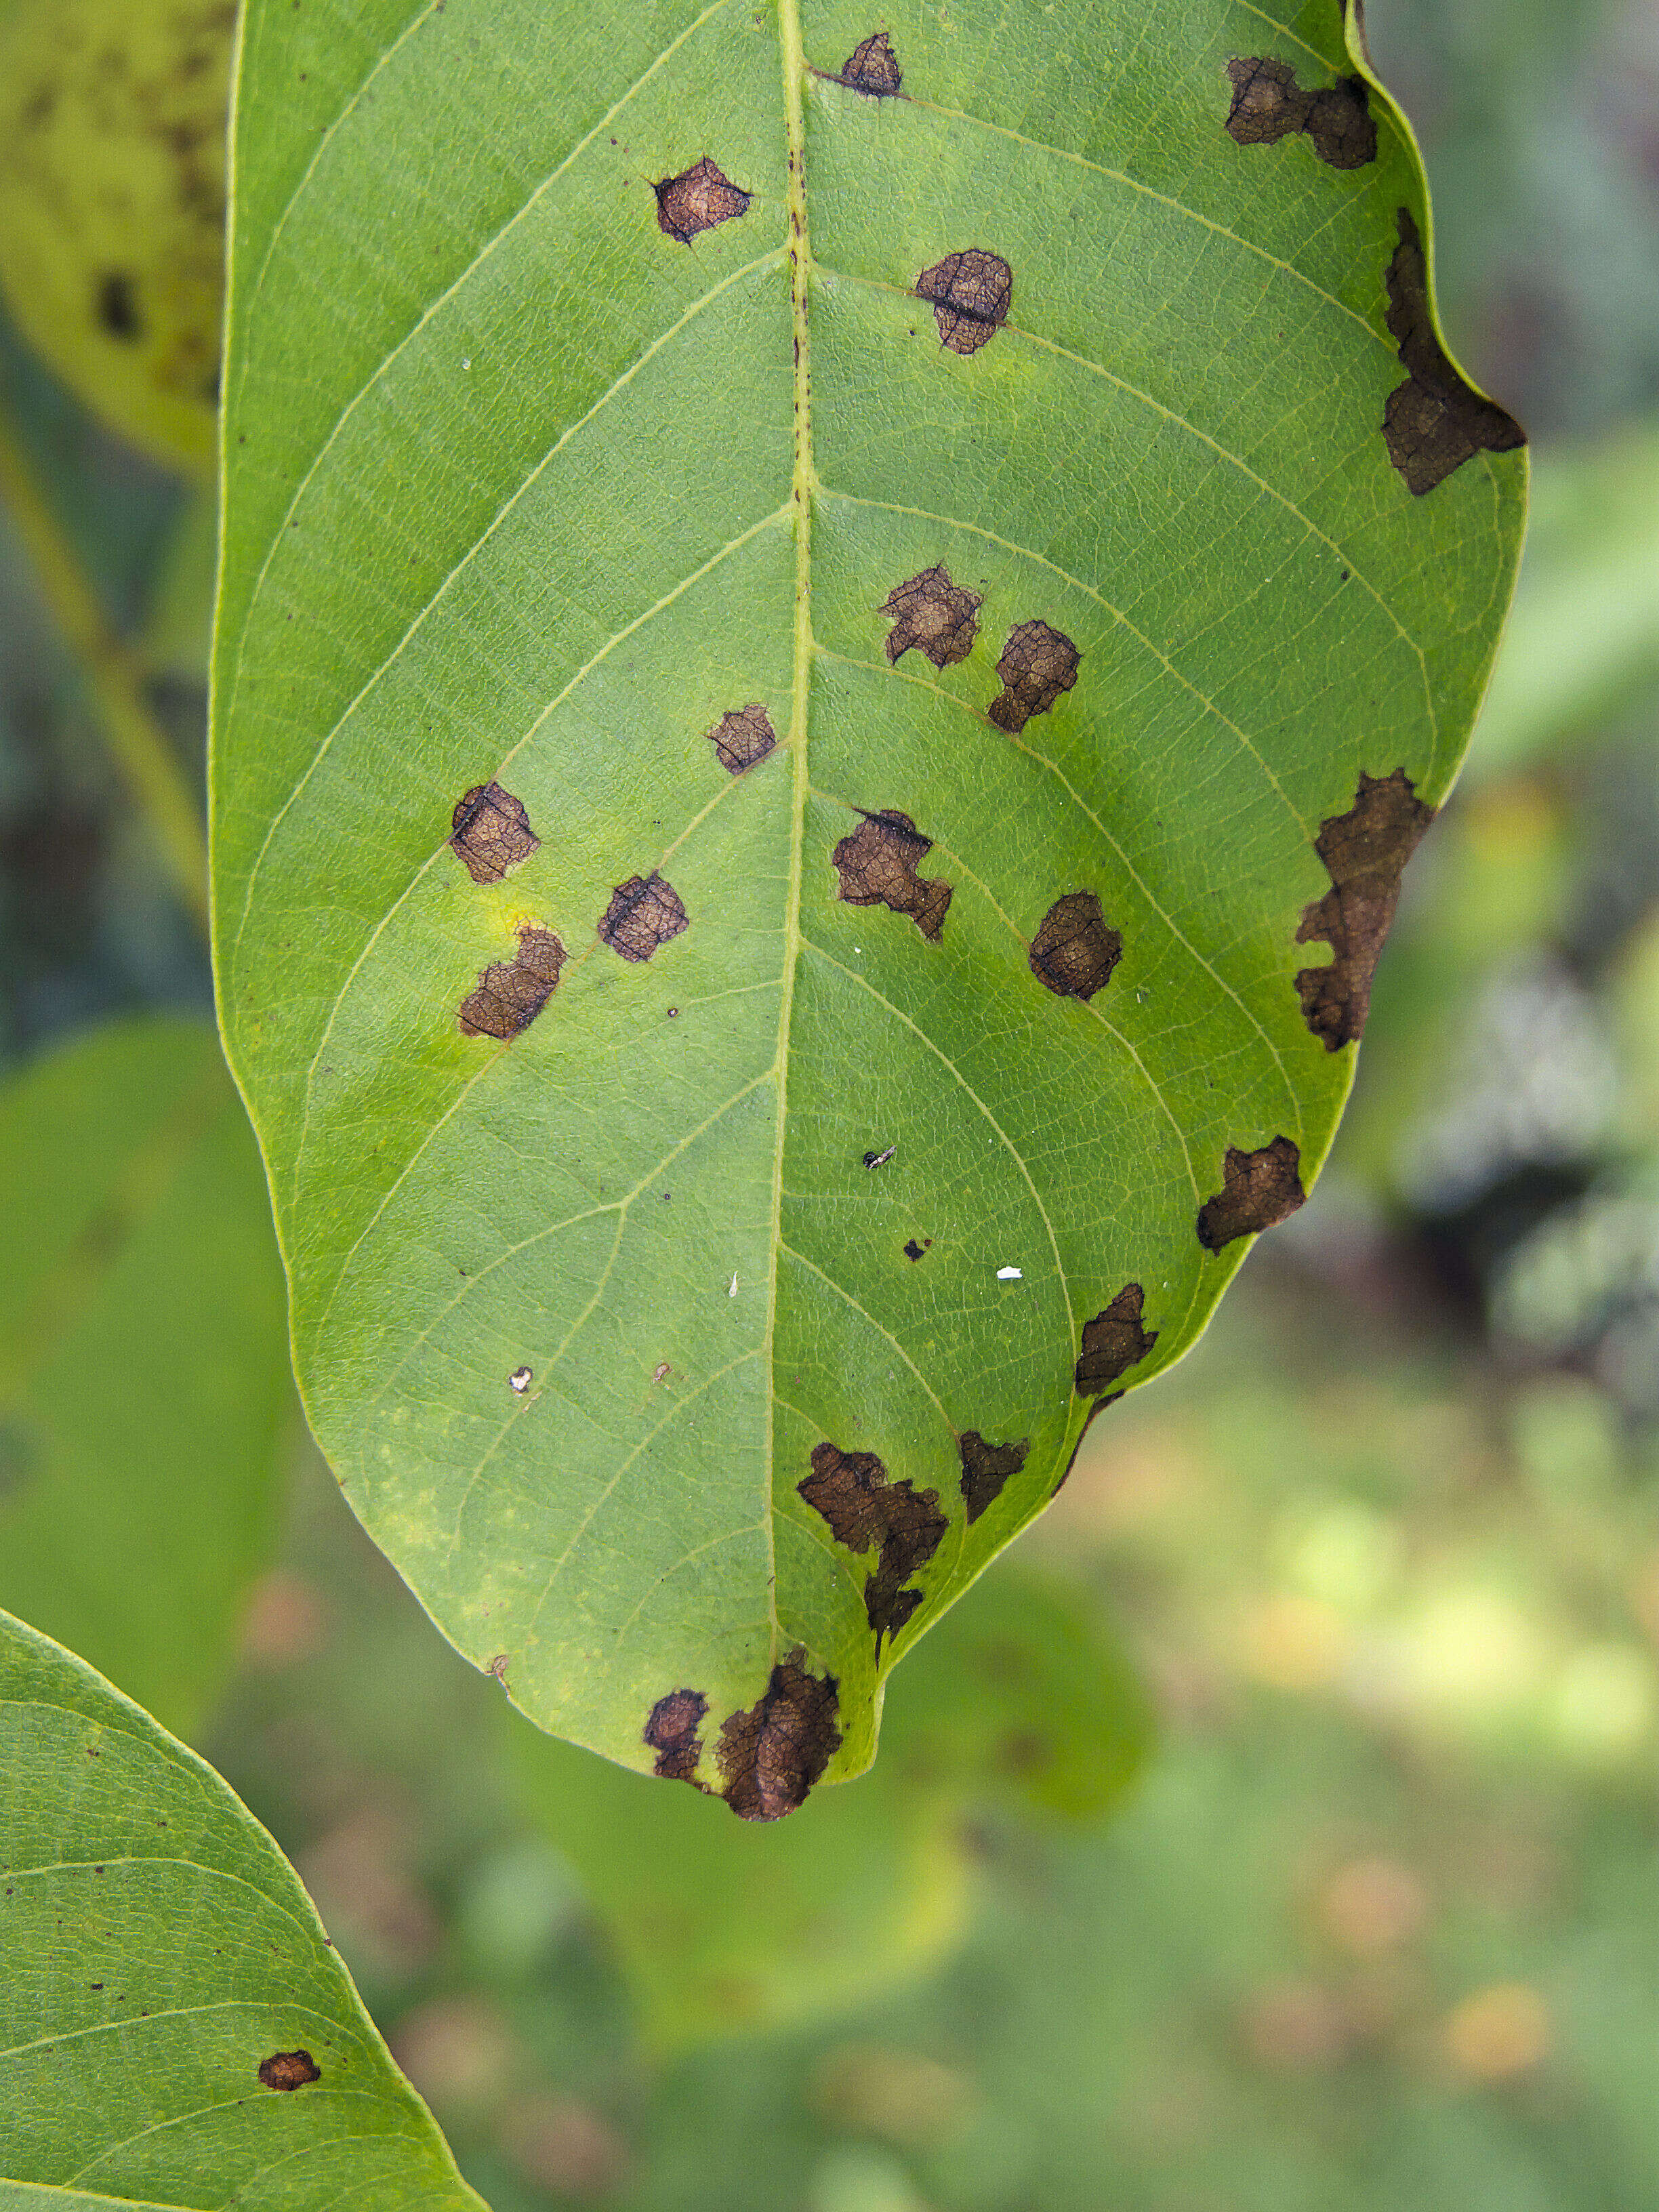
x: 510, y: 993
x: 877, y: 867
x: 1269, y: 105
x: 770, y: 1756
x: 743, y: 737
x: 1258, y: 1191
x: 1074, y: 952
x: 1037, y: 665
x: 985, y: 1468
x: 644, y: 912
x: 1113, y: 1342
x: 697, y: 200
x: 970, y: 292
x: 930, y: 611
x: 672, y: 1733
x: 873, y: 67
x: 1434, y: 422
x: 865, y: 1510
x: 491, y: 832
x: 290, y: 2070
x: 1365, y: 852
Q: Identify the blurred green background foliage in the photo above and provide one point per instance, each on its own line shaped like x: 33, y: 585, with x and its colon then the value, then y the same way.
x: 1374, y: 1925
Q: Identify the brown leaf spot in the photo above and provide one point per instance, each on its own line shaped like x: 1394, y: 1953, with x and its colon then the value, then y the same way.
x: 985, y: 1468
x: 970, y: 292
x: 743, y: 737
x: 877, y: 867
x: 1113, y: 1342
x: 644, y: 912
x: 1269, y: 105
x: 116, y: 306
x: 930, y: 611
x: 1365, y: 852
x: 1037, y: 665
x: 510, y: 993
x: 491, y: 832
x: 697, y: 200
x: 1258, y: 1191
x: 1434, y: 422
x: 865, y: 1510
x: 672, y: 1733
x: 290, y: 2069
x: 1074, y: 952
x: 771, y: 1755
x: 873, y: 67
x: 914, y: 1251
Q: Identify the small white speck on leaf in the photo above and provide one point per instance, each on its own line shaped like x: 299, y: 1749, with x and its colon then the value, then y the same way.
x: 520, y: 1380
x: 467, y: 361
x: 732, y: 1291
x: 1011, y: 1274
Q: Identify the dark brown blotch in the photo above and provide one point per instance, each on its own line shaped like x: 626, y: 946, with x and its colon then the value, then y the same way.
x: 877, y: 867
x: 1113, y: 1342
x: 1258, y: 1191
x: 970, y: 292
x: 743, y: 737
x: 1074, y: 952
x: 644, y: 912
x: 1269, y: 105
x: 510, y: 993
x: 1037, y: 665
x: 697, y: 200
x: 866, y: 1512
x: 489, y: 832
x: 773, y: 1754
x: 1365, y: 852
x: 914, y: 1251
x: 985, y: 1468
x: 116, y: 307
x: 1435, y: 421
x: 672, y: 1733
x: 290, y: 2070
x: 931, y: 612
x: 873, y: 67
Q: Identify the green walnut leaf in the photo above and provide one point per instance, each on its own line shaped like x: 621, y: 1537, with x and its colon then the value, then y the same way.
x: 833, y: 635
x: 174, y: 2028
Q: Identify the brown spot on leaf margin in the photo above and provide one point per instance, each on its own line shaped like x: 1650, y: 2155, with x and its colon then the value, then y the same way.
x: 877, y: 865
x: 1365, y: 852
x: 970, y: 292
x: 1114, y: 1341
x: 1269, y: 105
x: 865, y: 1510
x: 672, y: 1733
x: 743, y: 737
x: 644, y: 912
x: 985, y: 1468
x: 1434, y: 421
x: 290, y: 2070
x: 1258, y: 1191
x: 491, y: 832
x: 510, y: 993
x: 1074, y: 950
x: 1037, y: 665
x: 697, y: 199
x: 930, y: 611
x: 772, y: 1755
x: 873, y: 67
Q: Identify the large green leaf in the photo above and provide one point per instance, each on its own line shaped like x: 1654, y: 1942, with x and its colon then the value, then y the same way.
x: 544, y: 507
x: 174, y: 2028
x: 143, y: 1375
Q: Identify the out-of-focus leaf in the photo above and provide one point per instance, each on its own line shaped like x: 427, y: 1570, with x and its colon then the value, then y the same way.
x: 144, y: 1372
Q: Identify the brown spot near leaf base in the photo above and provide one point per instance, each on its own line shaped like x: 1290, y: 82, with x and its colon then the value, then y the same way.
x: 932, y: 612
x: 1365, y: 852
x: 697, y: 200
x: 510, y: 993
x: 1269, y: 105
x: 864, y: 1509
x: 1258, y: 1191
x: 970, y: 292
x: 1074, y: 952
x: 743, y: 737
x: 873, y: 67
x: 1435, y: 421
x: 644, y: 912
x: 1113, y: 1342
x: 491, y: 832
x: 672, y: 1733
x: 1037, y: 665
x: 773, y: 1754
x: 985, y: 1468
x: 877, y: 867
x: 290, y: 2069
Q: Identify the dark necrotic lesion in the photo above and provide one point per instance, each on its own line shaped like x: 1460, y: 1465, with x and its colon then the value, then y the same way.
x: 697, y: 200
x: 1113, y: 1342
x: 1074, y: 950
x: 1434, y: 421
x: 1038, y: 664
x: 930, y: 612
x: 510, y: 994
x: 491, y: 832
x: 867, y: 1511
x: 743, y: 737
x: 877, y: 865
x: 1259, y: 1190
x: 971, y: 293
x: 644, y: 912
x: 1268, y: 104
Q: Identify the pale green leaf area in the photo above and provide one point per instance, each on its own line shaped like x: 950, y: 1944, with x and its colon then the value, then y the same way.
x: 155, y: 1951
x: 519, y: 487
x: 144, y: 1381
